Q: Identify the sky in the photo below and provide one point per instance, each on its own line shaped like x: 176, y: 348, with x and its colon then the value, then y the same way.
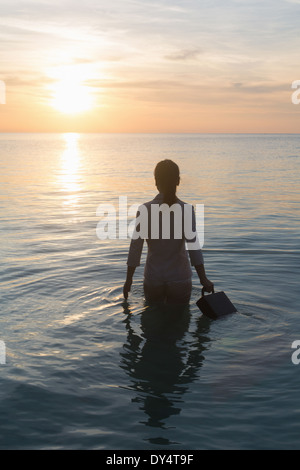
x: 149, y: 66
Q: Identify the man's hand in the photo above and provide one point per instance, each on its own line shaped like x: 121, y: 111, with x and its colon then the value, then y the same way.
x: 128, y: 282
x: 126, y: 288
x: 207, y: 284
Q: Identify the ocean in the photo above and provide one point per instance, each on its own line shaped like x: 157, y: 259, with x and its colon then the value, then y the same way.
x: 80, y: 368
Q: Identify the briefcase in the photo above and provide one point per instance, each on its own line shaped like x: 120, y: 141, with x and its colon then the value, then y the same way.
x: 215, y: 305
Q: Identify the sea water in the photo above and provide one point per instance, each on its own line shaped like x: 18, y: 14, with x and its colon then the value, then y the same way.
x: 83, y: 369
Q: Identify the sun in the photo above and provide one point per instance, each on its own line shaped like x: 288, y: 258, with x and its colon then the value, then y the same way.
x: 71, y: 97
x: 69, y: 88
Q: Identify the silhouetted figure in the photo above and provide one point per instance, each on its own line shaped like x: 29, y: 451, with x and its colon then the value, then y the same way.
x: 167, y: 274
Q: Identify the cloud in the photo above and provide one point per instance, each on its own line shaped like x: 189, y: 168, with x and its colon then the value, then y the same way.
x: 82, y: 60
x: 137, y: 84
x: 21, y: 81
x: 185, y: 54
x: 261, y: 89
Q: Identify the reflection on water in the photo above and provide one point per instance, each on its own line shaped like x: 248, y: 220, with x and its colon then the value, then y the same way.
x: 70, y: 168
x: 160, y: 362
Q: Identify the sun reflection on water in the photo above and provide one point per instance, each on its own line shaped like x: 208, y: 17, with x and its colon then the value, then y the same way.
x: 70, y: 166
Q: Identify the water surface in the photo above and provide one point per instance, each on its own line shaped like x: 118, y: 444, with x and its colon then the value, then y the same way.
x: 86, y: 370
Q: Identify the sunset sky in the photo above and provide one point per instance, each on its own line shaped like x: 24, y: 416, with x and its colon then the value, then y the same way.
x: 149, y: 66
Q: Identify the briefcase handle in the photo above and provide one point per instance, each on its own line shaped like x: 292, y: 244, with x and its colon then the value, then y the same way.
x: 203, y: 290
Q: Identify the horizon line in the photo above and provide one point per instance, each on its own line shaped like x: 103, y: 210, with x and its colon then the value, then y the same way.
x: 161, y: 133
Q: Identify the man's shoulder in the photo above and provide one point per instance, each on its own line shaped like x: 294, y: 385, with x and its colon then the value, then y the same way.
x: 159, y: 200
